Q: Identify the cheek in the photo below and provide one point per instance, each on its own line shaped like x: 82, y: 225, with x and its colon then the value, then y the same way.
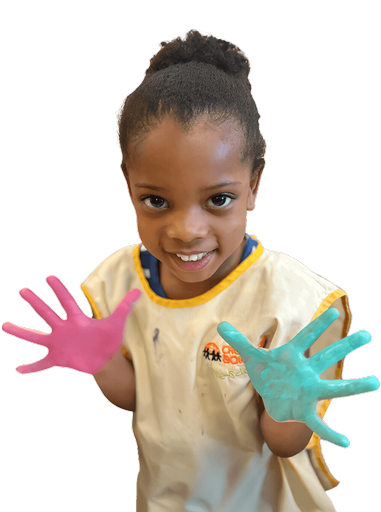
x: 149, y: 230
x: 237, y: 218
x: 141, y: 223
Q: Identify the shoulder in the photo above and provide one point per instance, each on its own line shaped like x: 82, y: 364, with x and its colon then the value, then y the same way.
x: 287, y: 272
x: 109, y: 282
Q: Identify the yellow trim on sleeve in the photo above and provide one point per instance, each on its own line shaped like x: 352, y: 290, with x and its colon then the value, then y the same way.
x: 126, y: 353
x: 98, y: 315
x: 91, y: 301
x: 200, y: 299
x: 314, y: 443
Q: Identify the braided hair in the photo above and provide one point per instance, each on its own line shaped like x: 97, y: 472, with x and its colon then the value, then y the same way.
x: 186, y: 79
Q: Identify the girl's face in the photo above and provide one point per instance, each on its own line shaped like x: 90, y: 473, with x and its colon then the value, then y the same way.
x: 191, y: 193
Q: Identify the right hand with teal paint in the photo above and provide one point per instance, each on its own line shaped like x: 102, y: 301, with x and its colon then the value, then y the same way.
x: 82, y: 343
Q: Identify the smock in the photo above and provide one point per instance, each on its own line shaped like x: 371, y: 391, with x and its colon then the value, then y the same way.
x: 196, y: 421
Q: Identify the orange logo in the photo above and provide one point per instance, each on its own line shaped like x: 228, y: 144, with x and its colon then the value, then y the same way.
x: 212, y: 352
x: 228, y: 356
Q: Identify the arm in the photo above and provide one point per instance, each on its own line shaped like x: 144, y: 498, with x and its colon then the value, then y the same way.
x: 116, y: 380
x: 82, y: 343
x: 284, y: 439
x: 290, y: 384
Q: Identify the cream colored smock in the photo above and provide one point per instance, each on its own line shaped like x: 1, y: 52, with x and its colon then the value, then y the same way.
x: 196, y: 421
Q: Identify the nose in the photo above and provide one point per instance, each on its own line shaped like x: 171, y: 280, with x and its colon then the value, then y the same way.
x: 188, y: 225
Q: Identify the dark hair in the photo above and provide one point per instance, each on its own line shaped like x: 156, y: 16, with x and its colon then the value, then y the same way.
x: 189, y: 78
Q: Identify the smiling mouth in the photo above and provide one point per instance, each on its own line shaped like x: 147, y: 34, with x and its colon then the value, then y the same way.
x: 193, y: 257
x: 196, y: 263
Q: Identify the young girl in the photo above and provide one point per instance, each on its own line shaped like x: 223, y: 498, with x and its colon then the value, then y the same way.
x: 193, y: 158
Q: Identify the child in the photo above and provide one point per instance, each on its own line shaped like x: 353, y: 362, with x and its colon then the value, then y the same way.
x: 193, y: 157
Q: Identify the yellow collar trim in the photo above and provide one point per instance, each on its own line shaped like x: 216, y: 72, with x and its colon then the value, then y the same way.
x: 200, y: 299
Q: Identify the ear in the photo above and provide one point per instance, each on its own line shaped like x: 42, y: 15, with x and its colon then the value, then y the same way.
x: 253, y: 190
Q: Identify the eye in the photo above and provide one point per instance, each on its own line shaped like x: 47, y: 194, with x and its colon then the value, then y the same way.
x: 219, y: 200
x: 155, y: 202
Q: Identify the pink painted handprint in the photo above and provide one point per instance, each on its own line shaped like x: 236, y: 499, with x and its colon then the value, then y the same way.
x: 79, y: 342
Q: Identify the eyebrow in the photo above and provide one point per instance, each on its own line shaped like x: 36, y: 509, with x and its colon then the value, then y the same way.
x: 212, y: 187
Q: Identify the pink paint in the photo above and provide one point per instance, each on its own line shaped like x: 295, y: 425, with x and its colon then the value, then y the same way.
x: 82, y: 343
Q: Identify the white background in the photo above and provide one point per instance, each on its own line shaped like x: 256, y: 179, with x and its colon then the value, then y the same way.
x: 260, y: 14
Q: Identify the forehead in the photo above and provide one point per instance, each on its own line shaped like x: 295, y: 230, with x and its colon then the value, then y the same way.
x: 204, y: 149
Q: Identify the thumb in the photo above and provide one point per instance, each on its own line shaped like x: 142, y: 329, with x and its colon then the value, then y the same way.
x: 43, y: 364
x: 124, y: 308
x: 317, y: 425
x: 239, y: 342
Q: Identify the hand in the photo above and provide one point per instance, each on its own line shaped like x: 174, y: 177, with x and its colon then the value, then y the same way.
x: 289, y: 383
x: 80, y: 342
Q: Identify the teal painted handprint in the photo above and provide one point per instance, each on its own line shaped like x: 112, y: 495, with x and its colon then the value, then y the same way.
x: 290, y: 384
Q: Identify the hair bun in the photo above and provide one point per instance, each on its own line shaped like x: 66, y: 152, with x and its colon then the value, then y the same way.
x: 198, y: 48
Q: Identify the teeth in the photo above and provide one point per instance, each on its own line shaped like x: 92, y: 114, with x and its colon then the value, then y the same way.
x: 193, y: 257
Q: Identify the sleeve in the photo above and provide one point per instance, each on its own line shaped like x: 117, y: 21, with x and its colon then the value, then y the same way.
x: 97, y: 314
x: 107, y: 285
x: 336, y: 331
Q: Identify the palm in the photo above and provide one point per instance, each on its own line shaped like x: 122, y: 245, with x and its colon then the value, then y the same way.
x: 289, y: 383
x: 80, y: 342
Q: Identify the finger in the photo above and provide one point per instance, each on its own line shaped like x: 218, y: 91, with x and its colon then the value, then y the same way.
x: 40, y: 338
x: 125, y: 306
x: 133, y: 295
x: 339, y: 388
x: 240, y: 343
x: 337, y: 351
x: 307, y: 336
x: 65, y: 298
x: 317, y: 425
x: 43, y: 364
x: 45, y: 312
